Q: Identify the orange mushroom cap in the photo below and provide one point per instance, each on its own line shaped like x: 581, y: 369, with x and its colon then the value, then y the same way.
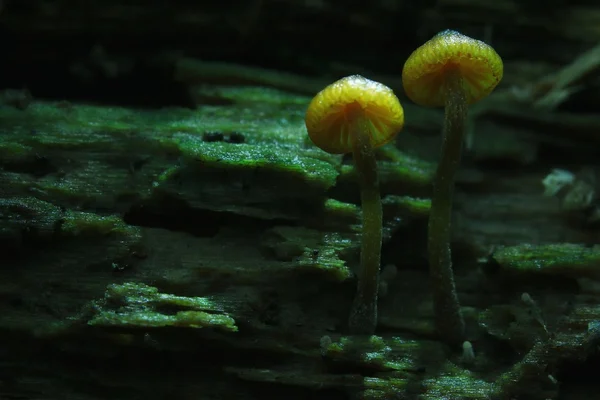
x: 477, y: 62
x: 333, y: 111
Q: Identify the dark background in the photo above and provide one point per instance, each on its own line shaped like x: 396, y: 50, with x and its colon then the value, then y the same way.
x: 45, y: 43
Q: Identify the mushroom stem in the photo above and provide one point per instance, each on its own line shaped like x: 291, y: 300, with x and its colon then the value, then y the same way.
x: 448, y: 318
x: 363, y: 316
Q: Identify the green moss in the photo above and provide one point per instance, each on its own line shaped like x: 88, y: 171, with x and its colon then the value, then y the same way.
x: 564, y: 259
x: 18, y: 213
x: 338, y: 216
x: 336, y: 237
x: 222, y: 155
x: 27, y: 215
x: 453, y: 382
x: 381, y: 353
x: 311, y: 250
x: 136, y: 305
x: 152, y: 319
x: 81, y: 223
x: 14, y: 151
x: 384, y: 388
x: 342, y: 209
x: 331, y: 257
x: 394, y: 363
x: 407, y: 205
x: 107, y: 157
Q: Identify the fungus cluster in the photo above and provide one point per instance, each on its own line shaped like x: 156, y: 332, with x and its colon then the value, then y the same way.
x: 356, y: 115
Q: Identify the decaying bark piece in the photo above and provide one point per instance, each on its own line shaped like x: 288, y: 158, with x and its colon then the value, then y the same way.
x: 204, y: 238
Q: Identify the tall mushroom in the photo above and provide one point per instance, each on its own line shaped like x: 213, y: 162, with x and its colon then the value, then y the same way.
x: 450, y: 70
x: 356, y: 115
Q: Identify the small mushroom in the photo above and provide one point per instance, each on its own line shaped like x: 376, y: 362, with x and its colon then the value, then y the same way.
x: 450, y: 70
x: 356, y: 115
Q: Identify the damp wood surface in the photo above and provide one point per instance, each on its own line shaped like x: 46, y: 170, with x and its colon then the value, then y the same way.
x: 217, y: 235
x: 199, y: 246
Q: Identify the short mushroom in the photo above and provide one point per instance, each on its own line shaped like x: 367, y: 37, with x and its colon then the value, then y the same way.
x: 356, y: 115
x: 450, y: 70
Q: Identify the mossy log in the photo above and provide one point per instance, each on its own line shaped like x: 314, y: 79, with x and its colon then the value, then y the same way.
x: 210, y: 252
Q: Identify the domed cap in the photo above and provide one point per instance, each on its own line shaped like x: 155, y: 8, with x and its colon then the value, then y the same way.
x: 425, y: 70
x: 333, y: 111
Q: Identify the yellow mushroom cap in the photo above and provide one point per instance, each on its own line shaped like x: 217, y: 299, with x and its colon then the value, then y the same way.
x: 477, y: 62
x: 333, y: 110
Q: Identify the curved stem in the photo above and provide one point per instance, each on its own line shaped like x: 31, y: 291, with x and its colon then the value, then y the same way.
x: 448, y: 318
x: 363, y: 316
